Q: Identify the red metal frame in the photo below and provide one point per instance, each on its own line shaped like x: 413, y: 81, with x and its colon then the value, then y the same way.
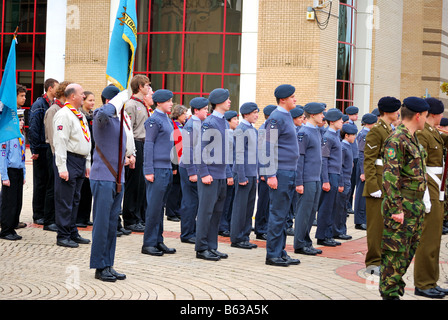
x: 182, y: 72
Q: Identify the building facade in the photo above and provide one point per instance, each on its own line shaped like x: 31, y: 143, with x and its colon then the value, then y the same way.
x: 341, y: 52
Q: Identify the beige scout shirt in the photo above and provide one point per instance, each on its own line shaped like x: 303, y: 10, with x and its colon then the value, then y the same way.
x: 138, y: 113
x: 69, y: 137
x: 48, y: 123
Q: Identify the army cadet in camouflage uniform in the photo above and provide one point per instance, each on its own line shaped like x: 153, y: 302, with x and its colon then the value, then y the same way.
x: 373, y: 170
x: 426, y: 266
x: 403, y: 207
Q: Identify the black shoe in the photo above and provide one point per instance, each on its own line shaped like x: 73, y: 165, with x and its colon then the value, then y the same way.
x: 11, y: 236
x: 119, y: 233
x: 429, y: 293
x: 306, y: 250
x: 51, y: 227
x: 335, y: 242
x: 153, y: 251
x: 191, y: 240
x: 68, y: 243
x: 445, y: 291
x: 124, y: 231
x: 290, y: 231
x: 224, y: 233
x: 278, y: 262
x: 318, y: 251
x: 81, y: 225
x: 81, y: 240
x: 290, y: 260
x: 262, y: 236
x: 105, y: 275
x: 119, y: 276
x: 162, y: 247
x: 343, y: 237
x: 361, y: 226
x: 136, y: 227
x: 173, y: 218
x: 326, y: 242
x: 39, y: 221
x: 242, y: 245
x: 207, y: 255
x: 21, y: 225
x: 219, y: 254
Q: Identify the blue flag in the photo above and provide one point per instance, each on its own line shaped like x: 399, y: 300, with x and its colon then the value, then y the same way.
x: 120, y: 61
x: 9, y: 121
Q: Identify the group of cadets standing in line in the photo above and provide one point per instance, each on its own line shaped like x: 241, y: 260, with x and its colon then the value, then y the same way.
x: 306, y: 163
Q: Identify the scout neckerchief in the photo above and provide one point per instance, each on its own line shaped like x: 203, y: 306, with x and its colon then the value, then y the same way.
x: 148, y: 110
x: 81, y: 121
x: 58, y: 102
x: 45, y: 96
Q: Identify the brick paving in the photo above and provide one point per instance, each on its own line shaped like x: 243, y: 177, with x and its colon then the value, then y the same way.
x: 35, y: 268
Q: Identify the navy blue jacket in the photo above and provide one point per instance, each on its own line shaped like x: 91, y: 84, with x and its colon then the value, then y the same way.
x: 36, y: 131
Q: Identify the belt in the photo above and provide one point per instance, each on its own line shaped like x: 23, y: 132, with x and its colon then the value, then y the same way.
x: 412, y: 194
x: 140, y: 139
x: 433, y: 172
x: 76, y: 155
x: 379, y: 162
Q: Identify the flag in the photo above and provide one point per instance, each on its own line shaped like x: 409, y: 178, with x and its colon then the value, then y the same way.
x: 9, y: 121
x: 123, y: 43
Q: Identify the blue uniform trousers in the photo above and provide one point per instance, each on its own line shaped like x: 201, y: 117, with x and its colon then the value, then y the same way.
x: 325, y: 213
x: 353, y: 182
x: 360, y: 201
x: 243, y: 209
x: 211, y: 205
x: 262, y: 215
x: 189, y: 205
x: 280, y: 204
x: 307, y: 205
x: 226, y: 216
x: 12, y: 200
x: 67, y: 195
x: 105, y: 211
x: 340, y: 211
x: 156, y: 194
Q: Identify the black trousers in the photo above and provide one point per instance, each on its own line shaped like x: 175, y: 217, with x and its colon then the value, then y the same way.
x: 12, y: 202
x: 40, y: 183
x: 49, y: 194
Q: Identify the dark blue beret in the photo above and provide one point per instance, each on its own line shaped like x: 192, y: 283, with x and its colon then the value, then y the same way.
x: 230, y: 114
x: 444, y: 122
x: 352, y: 110
x: 218, y: 95
x: 369, y: 118
x: 268, y: 109
x: 349, y: 128
x: 109, y: 92
x: 416, y: 104
x: 376, y: 112
x: 314, y: 107
x: 435, y: 106
x: 199, y: 103
x: 284, y: 91
x: 333, y: 114
x: 248, y: 107
x: 389, y: 104
x: 162, y: 95
x: 296, y: 112
x: 345, y: 118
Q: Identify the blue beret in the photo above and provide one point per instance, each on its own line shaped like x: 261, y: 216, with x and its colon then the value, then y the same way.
x: 218, y: 95
x: 416, y: 104
x: 268, y: 109
x: 314, y: 107
x: 345, y: 118
x: 230, y: 114
x: 369, y: 118
x: 444, y: 122
x: 435, y: 106
x: 389, y: 104
x: 296, y: 112
x: 248, y: 107
x: 284, y: 91
x: 109, y: 92
x: 376, y: 112
x: 199, y: 103
x: 333, y: 114
x: 349, y: 128
x: 162, y: 95
x: 352, y: 110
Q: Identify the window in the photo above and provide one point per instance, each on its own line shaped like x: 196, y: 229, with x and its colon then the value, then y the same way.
x: 30, y: 16
x: 190, y: 47
x: 346, y: 44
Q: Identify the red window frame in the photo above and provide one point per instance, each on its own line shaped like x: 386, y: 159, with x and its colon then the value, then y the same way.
x: 182, y: 72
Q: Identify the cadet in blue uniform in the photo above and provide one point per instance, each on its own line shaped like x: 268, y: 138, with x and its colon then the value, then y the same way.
x: 352, y: 113
x: 245, y: 175
x: 214, y: 175
x: 281, y: 174
x: 368, y: 120
x: 348, y: 136
x: 262, y: 214
x: 191, y: 144
x: 308, y: 177
x: 331, y: 170
x: 12, y: 170
x: 158, y: 171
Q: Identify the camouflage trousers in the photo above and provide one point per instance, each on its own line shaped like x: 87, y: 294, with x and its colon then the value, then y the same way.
x: 399, y: 244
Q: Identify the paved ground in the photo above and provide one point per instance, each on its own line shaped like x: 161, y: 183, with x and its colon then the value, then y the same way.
x: 35, y: 268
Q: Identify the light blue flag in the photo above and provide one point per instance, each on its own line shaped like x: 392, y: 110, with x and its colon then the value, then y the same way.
x: 123, y: 43
x: 9, y: 121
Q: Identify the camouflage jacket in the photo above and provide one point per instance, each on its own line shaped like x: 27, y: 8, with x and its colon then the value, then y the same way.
x: 404, y: 176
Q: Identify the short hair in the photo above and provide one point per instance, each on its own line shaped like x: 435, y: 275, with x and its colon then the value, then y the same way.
x: 20, y: 88
x: 61, y: 89
x: 69, y: 91
x: 406, y: 113
x: 137, y: 81
x: 177, y: 111
x: 50, y: 82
